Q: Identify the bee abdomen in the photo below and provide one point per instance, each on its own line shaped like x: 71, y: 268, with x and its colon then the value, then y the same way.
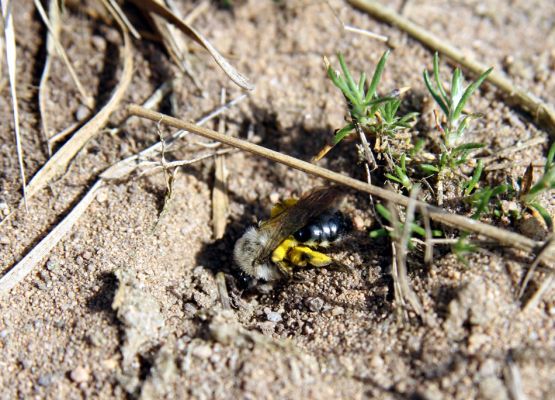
x: 327, y: 227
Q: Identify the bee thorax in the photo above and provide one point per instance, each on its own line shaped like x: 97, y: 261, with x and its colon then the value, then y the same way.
x: 247, y: 253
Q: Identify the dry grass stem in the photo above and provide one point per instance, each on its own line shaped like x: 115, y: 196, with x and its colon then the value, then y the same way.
x: 542, y: 289
x: 402, y: 248
x: 57, y: 164
x: 168, y: 15
x: 222, y: 290
x: 437, y: 214
x: 11, y: 60
x: 429, y: 241
x: 349, y: 28
x: 88, y: 100
x: 199, y: 9
x: 546, y: 248
x: 513, y: 379
x: 26, y: 265
x: 219, y: 191
x: 118, y: 13
x: 537, y: 108
x: 54, y: 17
x: 65, y: 132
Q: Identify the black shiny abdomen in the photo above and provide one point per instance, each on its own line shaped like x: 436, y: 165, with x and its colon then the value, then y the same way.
x: 327, y: 227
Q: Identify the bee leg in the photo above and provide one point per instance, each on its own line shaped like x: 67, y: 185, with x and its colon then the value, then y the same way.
x: 301, y: 256
x: 285, y: 268
x: 279, y: 256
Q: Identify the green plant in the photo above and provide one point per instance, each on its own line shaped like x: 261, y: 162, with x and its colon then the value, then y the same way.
x: 370, y: 112
x: 415, y: 228
x: 400, y: 173
x: 530, y: 193
x: 452, y: 124
x: 452, y: 104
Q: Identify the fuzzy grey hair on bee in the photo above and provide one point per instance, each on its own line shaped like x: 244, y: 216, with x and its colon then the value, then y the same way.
x: 247, y: 251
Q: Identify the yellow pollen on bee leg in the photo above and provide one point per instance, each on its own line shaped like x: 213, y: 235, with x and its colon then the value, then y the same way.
x: 280, y: 253
x: 301, y: 256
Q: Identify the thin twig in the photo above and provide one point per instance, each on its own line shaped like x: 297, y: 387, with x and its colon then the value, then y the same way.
x: 437, y: 214
x: 537, y: 108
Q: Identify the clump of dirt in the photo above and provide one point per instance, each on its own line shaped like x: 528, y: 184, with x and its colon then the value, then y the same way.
x: 127, y: 304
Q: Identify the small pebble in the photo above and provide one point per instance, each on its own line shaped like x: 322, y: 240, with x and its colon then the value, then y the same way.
x: 79, y: 375
x: 314, y: 304
x: 202, y: 351
x: 273, y: 316
x: 81, y: 113
x: 51, y: 265
x: 337, y: 311
x: 102, y: 196
x: 274, y: 197
x: 45, y: 380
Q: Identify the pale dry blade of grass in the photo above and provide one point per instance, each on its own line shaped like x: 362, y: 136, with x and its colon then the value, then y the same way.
x: 502, y: 236
x: 537, y: 108
x: 164, y: 12
x: 353, y: 29
x: 222, y: 290
x: 58, y: 163
x: 544, y: 287
x: 88, y: 100
x: 513, y: 380
x: 403, y: 291
x: 175, y: 45
x: 54, y: 17
x: 118, y: 13
x: 11, y: 60
x: 546, y: 249
x: 28, y: 263
x: 219, y: 191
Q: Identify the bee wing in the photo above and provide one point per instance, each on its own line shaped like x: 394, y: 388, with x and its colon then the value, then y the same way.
x: 294, y: 218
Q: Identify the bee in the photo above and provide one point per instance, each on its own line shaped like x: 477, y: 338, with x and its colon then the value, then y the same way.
x: 290, y: 237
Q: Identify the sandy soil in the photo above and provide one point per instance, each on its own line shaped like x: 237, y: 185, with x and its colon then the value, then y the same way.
x: 127, y: 305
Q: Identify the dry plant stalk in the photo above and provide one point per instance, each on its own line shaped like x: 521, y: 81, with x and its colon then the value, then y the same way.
x: 54, y: 17
x: 437, y: 214
x: 402, y: 288
x: 11, y: 60
x: 58, y: 163
x: 219, y: 191
x: 159, y: 9
x: 26, y: 265
x: 537, y: 108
